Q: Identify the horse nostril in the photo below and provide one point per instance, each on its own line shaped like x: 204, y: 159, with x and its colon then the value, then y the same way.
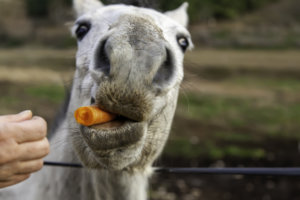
x: 93, y: 101
x: 102, y: 59
x: 165, y: 72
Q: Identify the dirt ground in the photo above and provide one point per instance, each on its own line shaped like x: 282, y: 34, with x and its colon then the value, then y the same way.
x: 236, y: 109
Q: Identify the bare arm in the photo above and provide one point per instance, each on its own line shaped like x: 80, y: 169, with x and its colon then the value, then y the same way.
x: 23, y: 144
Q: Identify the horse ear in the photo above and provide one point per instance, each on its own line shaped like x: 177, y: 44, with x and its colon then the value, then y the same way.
x: 180, y: 14
x: 83, y: 6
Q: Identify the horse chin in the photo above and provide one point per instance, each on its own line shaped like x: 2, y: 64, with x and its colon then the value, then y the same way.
x: 114, y: 145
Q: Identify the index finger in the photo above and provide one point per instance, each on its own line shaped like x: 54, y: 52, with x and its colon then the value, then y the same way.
x: 28, y: 131
x: 26, y: 115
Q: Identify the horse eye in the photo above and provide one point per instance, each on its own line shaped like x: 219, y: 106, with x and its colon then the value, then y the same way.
x: 82, y: 30
x: 183, y: 42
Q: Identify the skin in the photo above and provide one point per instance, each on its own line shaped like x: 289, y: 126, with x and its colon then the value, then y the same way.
x: 23, y: 144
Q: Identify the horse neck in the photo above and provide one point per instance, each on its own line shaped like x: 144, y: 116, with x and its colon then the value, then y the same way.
x: 101, y: 185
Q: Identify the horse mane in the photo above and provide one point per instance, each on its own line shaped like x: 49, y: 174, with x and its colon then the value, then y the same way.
x: 137, y: 3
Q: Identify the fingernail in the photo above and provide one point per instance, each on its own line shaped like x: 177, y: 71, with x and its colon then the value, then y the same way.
x: 25, y: 112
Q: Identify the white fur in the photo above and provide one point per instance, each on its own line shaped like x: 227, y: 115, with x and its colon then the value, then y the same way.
x: 66, y: 146
x: 180, y: 14
x: 83, y: 6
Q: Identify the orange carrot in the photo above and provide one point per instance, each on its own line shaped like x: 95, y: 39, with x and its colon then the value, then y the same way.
x: 92, y: 115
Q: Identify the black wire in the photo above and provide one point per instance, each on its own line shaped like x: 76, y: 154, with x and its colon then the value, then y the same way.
x: 239, y: 171
x: 63, y: 164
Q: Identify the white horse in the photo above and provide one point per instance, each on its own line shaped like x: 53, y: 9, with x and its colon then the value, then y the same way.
x: 129, y: 62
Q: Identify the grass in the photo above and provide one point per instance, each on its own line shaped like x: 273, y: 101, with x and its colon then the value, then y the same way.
x: 229, y: 116
x: 55, y: 59
x: 10, y: 42
x: 282, y: 119
x: 9, y: 100
x: 268, y: 83
x: 183, y: 148
x: 54, y: 94
x: 233, y: 39
x: 222, y: 34
x: 236, y: 137
x: 235, y: 151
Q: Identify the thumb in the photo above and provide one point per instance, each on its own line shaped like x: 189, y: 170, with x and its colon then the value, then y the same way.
x: 25, y: 115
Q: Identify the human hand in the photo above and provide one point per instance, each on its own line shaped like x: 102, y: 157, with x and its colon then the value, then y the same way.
x: 23, y: 144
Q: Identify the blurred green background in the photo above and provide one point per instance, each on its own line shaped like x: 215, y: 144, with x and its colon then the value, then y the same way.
x: 239, y: 101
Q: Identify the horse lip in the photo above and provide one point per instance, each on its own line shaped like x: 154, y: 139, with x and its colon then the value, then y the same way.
x: 131, y: 132
x: 111, y: 125
x: 127, y: 118
x: 123, y: 113
x: 93, y: 103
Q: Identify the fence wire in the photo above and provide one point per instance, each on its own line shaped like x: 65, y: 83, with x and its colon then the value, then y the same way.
x: 291, y: 171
